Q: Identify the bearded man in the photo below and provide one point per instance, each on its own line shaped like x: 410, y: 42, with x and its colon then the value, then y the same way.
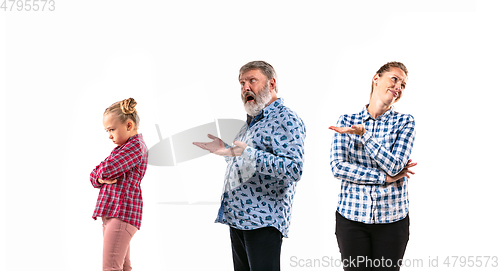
x: 263, y: 168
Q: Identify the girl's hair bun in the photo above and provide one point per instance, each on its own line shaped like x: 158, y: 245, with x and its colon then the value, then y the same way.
x: 128, y: 106
x: 124, y: 110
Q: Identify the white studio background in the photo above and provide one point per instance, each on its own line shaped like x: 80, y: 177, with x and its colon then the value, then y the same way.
x: 180, y: 61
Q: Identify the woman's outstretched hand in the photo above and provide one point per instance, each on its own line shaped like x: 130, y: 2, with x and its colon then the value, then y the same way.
x: 358, y: 129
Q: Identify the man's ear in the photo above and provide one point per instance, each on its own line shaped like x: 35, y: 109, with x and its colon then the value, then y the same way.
x: 272, y: 84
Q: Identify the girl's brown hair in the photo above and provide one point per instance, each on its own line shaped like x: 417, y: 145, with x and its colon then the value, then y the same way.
x: 124, y: 111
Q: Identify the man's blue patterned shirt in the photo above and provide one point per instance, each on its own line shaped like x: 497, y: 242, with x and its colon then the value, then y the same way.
x: 260, y: 184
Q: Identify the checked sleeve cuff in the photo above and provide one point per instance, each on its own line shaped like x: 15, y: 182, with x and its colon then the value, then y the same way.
x: 371, y: 145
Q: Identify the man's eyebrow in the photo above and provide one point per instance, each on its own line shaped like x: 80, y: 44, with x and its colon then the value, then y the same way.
x: 247, y: 78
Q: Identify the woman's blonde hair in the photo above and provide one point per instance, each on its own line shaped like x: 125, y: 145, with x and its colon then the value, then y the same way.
x: 124, y: 111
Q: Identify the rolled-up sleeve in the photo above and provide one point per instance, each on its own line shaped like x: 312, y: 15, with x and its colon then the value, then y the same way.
x: 392, y: 161
x: 343, y: 168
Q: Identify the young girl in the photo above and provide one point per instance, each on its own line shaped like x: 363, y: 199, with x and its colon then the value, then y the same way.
x: 118, y: 177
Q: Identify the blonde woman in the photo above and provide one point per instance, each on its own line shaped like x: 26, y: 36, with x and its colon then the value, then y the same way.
x: 370, y: 154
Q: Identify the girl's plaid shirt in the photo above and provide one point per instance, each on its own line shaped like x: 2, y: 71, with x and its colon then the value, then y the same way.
x: 127, y: 164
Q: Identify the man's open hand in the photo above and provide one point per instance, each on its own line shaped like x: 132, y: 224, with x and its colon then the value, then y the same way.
x: 217, y: 146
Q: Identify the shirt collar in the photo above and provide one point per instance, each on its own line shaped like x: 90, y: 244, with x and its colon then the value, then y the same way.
x: 385, y: 117
x: 266, y: 111
x: 271, y: 107
x: 136, y: 136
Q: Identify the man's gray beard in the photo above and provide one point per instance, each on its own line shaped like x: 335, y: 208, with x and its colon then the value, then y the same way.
x: 261, y: 101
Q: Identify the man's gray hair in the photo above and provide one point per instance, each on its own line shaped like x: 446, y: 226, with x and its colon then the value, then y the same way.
x: 264, y: 67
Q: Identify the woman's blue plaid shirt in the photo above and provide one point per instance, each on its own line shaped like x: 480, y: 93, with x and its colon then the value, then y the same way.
x: 363, y: 162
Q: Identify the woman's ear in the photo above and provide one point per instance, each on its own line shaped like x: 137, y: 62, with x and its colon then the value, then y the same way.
x: 375, y: 79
